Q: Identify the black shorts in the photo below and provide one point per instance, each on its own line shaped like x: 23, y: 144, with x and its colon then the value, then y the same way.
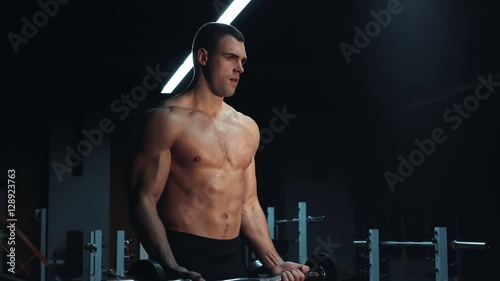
x: 214, y: 259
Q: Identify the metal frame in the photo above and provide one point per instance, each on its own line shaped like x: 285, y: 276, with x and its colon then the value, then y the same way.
x: 120, y: 252
x: 95, y: 266
x: 302, y: 219
x: 95, y: 248
x: 439, y: 243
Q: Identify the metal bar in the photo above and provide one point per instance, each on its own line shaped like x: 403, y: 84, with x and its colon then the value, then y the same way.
x: 440, y: 249
x: 270, y: 221
x: 466, y: 245
x: 309, y: 219
x: 458, y: 245
x: 397, y: 243
x: 374, y: 254
x: 120, y: 252
x: 286, y: 220
x: 316, y: 219
x: 98, y: 256
x: 92, y: 257
x: 407, y: 243
x: 274, y: 278
x: 302, y: 231
x: 95, y: 272
x: 441, y: 254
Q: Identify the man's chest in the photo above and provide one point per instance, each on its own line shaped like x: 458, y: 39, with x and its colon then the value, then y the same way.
x: 216, y: 143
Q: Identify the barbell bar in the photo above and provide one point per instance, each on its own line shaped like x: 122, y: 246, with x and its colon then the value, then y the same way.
x: 322, y: 268
x: 309, y: 219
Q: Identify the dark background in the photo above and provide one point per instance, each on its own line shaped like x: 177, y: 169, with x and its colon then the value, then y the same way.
x: 351, y: 120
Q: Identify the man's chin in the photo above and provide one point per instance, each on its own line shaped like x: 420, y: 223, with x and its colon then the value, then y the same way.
x: 228, y: 95
x: 225, y: 94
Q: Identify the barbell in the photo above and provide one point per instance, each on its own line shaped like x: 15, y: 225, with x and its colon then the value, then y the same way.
x: 322, y: 268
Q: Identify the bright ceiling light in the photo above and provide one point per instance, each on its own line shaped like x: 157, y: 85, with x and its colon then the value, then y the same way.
x: 232, y: 11
x: 227, y: 17
x: 178, y: 75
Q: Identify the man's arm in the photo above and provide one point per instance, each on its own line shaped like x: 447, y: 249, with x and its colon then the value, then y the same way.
x: 253, y: 220
x: 255, y: 229
x: 150, y: 170
x: 254, y: 223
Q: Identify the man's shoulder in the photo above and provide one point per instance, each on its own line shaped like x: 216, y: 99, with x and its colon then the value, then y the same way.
x: 247, y: 119
x: 242, y: 118
x: 237, y: 114
x: 164, y: 115
x: 170, y: 107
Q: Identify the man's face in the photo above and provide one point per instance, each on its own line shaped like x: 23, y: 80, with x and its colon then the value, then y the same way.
x: 225, y: 65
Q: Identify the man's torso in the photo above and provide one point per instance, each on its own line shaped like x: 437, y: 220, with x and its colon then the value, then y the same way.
x: 204, y: 191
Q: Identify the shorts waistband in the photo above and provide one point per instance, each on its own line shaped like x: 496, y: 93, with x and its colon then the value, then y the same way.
x: 189, y: 241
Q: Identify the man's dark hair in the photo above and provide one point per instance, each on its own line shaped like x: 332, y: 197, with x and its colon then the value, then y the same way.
x: 209, y: 35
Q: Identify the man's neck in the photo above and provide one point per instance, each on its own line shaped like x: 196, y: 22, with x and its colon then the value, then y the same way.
x: 204, y: 100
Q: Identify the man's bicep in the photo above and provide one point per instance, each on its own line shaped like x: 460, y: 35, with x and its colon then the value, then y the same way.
x: 151, y: 165
x: 150, y: 174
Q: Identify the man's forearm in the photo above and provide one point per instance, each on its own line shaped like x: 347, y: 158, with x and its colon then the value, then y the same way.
x: 152, y: 234
x: 254, y: 227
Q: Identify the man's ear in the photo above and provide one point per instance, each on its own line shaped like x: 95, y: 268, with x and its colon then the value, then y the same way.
x: 202, y: 56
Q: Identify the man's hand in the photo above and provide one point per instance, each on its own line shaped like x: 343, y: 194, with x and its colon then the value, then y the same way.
x: 291, y: 271
x: 183, y: 273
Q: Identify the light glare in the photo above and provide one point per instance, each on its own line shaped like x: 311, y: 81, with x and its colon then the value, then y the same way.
x: 227, y: 17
